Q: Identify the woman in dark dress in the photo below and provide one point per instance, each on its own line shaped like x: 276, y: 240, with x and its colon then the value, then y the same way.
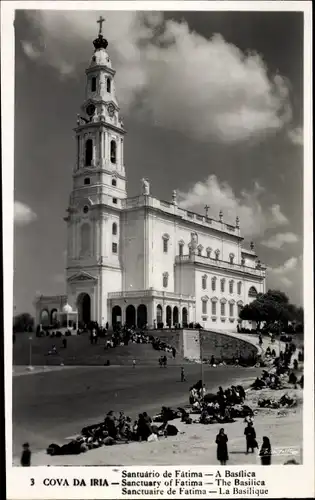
x: 222, y: 450
x: 265, y: 452
x: 250, y: 434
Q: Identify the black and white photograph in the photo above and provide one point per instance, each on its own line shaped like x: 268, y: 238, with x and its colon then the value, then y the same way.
x: 158, y: 302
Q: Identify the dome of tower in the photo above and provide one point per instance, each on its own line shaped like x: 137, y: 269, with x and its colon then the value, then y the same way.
x: 100, y: 58
x: 67, y: 309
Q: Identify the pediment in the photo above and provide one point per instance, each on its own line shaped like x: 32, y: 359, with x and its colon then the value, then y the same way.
x: 81, y: 276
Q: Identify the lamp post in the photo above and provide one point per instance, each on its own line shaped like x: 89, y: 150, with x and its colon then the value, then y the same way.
x: 30, y: 367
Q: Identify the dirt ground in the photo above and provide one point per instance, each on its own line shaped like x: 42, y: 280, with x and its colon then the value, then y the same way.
x: 195, y: 443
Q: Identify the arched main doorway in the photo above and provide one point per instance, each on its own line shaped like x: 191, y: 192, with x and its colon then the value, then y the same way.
x: 142, y: 316
x: 159, y: 314
x: 130, y: 315
x: 184, y: 317
x: 116, y: 315
x: 175, y: 315
x: 53, y: 317
x: 84, y: 308
x: 44, y: 317
x: 169, y: 316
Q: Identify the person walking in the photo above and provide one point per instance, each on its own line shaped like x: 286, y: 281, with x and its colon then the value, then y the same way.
x: 250, y: 434
x: 222, y: 449
x: 265, y: 452
x: 133, y: 363
x: 182, y: 375
x: 26, y: 455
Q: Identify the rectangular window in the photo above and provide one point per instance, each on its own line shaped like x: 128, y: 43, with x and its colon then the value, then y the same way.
x: 214, y: 308
x: 115, y: 201
x: 222, y: 309
x: 222, y: 285
x: 114, y: 247
x: 165, y: 245
x: 231, y: 310
x: 93, y: 84
x: 239, y: 308
x: 239, y: 287
x: 231, y: 286
x: 213, y: 285
x: 180, y: 250
x: 204, y: 307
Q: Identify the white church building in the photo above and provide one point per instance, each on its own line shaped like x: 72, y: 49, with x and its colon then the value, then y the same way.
x: 141, y: 260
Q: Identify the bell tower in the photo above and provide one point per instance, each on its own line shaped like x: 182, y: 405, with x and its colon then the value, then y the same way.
x: 99, y: 186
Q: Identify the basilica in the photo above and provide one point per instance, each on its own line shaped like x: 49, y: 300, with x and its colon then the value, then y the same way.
x: 141, y: 260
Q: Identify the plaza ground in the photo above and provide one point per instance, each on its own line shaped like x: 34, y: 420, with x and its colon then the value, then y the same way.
x: 52, y: 403
x: 50, y: 406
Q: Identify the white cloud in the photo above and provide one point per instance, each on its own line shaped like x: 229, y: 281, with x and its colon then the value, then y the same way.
x: 23, y: 214
x: 278, y: 217
x: 284, y: 273
x: 277, y: 241
x: 296, y: 136
x: 254, y: 221
x: 30, y: 50
x: 288, y: 265
x: 180, y: 80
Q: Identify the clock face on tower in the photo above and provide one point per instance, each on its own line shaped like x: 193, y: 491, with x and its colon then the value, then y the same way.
x: 111, y: 109
x: 90, y: 109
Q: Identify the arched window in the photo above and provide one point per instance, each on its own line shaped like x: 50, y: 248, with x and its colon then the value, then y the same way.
x: 217, y: 254
x: 165, y: 280
x: 252, y: 292
x: 87, y: 180
x: 181, y: 248
x: 85, y: 239
x: 213, y: 283
x: 114, y: 182
x: 223, y: 308
x: 204, y: 306
x: 222, y: 285
x: 209, y: 250
x: 200, y: 248
x: 109, y: 85
x: 204, y: 282
x: 231, y: 286
x: 239, y: 288
x: 88, y: 152
x: 231, y: 256
x: 231, y: 305
x: 113, y: 150
x: 214, y: 308
x: 114, y: 229
x: 93, y: 84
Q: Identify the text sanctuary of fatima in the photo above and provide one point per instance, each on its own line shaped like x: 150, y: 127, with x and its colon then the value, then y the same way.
x: 141, y: 260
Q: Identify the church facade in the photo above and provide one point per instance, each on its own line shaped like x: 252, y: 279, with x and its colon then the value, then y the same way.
x: 141, y: 260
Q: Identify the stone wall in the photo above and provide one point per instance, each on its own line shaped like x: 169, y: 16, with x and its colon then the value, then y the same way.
x: 220, y: 345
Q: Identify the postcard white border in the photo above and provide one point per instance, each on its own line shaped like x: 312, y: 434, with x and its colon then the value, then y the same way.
x: 282, y: 482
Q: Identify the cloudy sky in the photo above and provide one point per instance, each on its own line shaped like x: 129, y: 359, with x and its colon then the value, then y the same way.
x: 213, y: 106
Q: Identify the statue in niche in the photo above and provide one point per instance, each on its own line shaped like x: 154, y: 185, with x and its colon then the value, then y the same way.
x: 145, y: 187
x: 193, y: 243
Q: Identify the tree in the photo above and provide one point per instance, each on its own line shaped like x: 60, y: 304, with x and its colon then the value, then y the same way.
x: 273, y: 308
x: 23, y: 322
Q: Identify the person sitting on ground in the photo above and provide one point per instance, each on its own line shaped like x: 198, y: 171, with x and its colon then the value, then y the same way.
x: 110, y: 423
x: 265, y: 452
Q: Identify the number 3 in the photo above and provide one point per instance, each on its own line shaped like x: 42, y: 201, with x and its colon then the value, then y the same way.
x: 32, y: 481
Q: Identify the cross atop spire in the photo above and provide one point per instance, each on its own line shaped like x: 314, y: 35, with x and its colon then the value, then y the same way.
x: 100, y: 22
x: 207, y: 210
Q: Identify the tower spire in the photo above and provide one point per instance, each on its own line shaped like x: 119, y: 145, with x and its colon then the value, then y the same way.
x: 100, y: 42
x: 100, y: 22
